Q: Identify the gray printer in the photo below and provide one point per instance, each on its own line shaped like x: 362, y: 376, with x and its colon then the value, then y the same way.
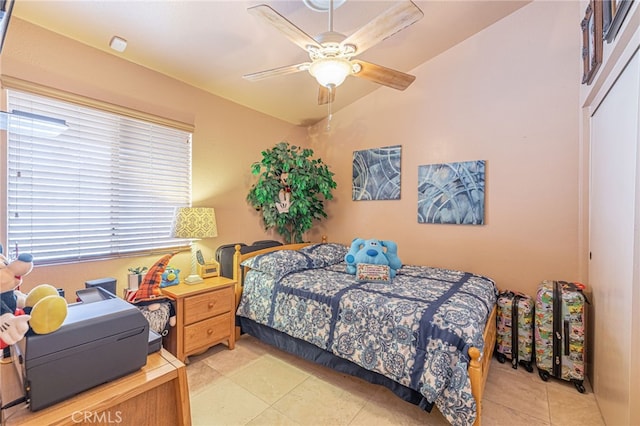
x: 102, y: 338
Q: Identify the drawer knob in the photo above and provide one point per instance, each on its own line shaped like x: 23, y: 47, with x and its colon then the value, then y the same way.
x: 209, y: 331
x: 211, y: 305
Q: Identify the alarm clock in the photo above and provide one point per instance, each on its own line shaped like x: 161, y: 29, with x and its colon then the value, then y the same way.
x: 209, y: 269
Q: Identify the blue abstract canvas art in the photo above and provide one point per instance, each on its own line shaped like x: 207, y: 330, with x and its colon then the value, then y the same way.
x: 376, y: 174
x: 451, y: 193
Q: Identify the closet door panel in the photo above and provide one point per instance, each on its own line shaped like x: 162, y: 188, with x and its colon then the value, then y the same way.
x: 614, y: 139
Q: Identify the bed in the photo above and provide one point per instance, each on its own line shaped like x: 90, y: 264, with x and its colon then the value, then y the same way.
x: 428, y: 335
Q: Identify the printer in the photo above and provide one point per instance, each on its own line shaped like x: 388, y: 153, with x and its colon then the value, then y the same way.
x: 102, y: 338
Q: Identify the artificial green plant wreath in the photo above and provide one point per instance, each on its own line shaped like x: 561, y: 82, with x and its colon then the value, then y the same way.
x: 291, y: 190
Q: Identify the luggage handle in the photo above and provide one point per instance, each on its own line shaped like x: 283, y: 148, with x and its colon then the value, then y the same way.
x: 514, y: 331
x: 557, y: 330
x: 577, y: 286
x: 566, y: 337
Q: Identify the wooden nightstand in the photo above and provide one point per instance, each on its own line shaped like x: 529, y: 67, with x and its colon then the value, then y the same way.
x: 205, y: 316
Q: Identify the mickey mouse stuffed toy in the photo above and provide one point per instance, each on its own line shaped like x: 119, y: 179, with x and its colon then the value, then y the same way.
x: 42, y: 310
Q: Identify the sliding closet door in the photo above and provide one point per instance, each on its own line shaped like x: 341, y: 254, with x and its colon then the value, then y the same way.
x: 614, y: 141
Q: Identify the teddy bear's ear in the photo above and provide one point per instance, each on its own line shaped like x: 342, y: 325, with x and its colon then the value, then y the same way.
x: 392, y: 248
x: 357, y: 242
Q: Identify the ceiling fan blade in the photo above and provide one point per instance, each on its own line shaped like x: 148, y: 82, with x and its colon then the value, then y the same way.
x: 288, y: 69
x: 283, y: 25
x: 325, y: 95
x: 385, y: 76
x: 384, y: 25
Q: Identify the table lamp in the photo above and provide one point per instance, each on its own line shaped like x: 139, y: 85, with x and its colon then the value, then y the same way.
x: 194, y: 223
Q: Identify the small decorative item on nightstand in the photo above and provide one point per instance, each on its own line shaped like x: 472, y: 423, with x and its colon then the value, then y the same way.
x: 209, y: 269
x: 135, y: 276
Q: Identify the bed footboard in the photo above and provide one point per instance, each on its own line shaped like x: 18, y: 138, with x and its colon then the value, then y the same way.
x: 479, y: 367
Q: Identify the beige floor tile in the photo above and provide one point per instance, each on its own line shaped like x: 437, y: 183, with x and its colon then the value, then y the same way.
x: 495, y: 414
x: 386, y: 409
x: 566, y: 386
x: 200, y: 375
x: 517, y: 389
x: 259, y: 385
x: 268, y: 378
x: 354, y: 385
x: 225, y: 403
x: 316, y: 402
x: 272, y: 417
x: 573, y: 408
x: 227, y: 362
x: 299, y: 362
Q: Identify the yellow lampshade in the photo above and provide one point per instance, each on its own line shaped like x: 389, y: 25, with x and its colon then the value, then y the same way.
x: 194, y: 223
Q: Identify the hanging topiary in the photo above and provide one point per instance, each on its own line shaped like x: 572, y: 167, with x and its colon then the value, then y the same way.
x: 291, y: 190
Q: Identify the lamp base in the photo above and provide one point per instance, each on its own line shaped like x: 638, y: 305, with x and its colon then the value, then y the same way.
x: 193, y: 279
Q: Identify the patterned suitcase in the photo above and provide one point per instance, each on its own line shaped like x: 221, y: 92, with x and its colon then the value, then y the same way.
x: 559, y: 331
x: 515, y: 329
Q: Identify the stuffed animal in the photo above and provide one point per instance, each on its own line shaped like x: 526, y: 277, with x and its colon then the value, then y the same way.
x: 156, y: 307
x: 373, y: 252
x: 42, y: 310
x: 170, y: 276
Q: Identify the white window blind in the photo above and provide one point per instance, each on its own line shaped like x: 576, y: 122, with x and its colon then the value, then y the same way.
x: 105, y: 187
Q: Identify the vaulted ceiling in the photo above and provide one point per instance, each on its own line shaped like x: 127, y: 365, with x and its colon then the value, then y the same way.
x: 211, y: 44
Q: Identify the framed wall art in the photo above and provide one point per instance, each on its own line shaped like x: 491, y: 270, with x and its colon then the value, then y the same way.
x: 591, y: 40
x: 452, y: 193
x: 376, y: 174
x: 613, y: 14
x: 6, y: 7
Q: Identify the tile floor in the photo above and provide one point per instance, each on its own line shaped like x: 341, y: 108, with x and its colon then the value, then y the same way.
x: 256, y: 384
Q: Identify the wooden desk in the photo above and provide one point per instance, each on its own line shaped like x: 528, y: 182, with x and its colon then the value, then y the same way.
x: 157, y: 394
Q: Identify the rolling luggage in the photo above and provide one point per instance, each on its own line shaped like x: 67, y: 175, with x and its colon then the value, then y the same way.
x: 224, y: 254
x: 560, y: 331
x: 514, y: 339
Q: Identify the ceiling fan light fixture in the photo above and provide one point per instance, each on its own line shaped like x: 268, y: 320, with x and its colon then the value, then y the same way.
x: 322, y: 5
x: 330, y: 71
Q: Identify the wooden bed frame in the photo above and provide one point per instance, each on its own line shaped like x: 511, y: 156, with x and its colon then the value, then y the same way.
x: 478, y: 367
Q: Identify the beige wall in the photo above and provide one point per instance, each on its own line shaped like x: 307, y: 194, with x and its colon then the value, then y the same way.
x: 509, y: 96
x: 226, y: 140
x: 510, y: 100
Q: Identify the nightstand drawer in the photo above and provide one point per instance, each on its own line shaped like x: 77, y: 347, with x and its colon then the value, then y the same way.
x: 206, y: 332
x: 207, y: 305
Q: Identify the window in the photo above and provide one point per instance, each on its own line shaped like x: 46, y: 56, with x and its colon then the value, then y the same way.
x: 105, y: 187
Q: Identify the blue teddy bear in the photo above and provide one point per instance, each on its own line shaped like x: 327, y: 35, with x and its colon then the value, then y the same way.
x: 373, y: 252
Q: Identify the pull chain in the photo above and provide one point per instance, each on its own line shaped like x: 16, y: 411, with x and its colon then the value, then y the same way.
x: 330, y: 114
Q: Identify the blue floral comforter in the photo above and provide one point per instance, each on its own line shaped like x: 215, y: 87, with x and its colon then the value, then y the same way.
x: 415, y: 330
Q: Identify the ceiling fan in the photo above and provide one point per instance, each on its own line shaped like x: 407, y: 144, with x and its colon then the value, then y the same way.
x: 331, y: 53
